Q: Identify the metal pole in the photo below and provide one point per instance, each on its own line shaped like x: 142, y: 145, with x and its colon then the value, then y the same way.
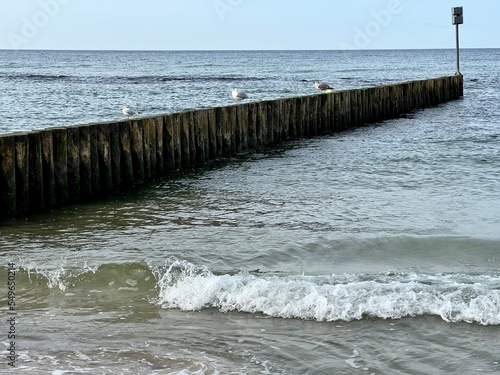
x: 458, y: 52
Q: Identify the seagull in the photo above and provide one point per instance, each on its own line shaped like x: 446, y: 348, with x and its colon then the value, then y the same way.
x: 128, y: 112
x: 238, y: 95
x: 322, y: 86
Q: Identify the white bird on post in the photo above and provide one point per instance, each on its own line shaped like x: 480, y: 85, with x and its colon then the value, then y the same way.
x: 238, y: 95
x: 128, y: 112
x: 322, y: 86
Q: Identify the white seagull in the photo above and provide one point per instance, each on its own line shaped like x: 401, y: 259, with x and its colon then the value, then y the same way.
x: 238, y: 95
x: 322, y: 86
x: 128, y: 112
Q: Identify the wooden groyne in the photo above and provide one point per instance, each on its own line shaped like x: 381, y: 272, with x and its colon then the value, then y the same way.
x: 44, y: 169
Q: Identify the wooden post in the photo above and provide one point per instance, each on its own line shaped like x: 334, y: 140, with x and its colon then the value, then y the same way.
x: 243, y: 114
x: 74, y: 187
x: 48, y: 167
x: 94, y: 161
x: 314, y: 115
x: 252, y: 126
x: 60, y: 138
x: 260, y: 125
x: 160, y: 157
x: 137, y: 149
x: 104, y: 155
x: 202, y: 140
x: 225, y: 124
x: 116, y: 150
x: 146, y: 144
x: 36, y: 193
x: 7, y: 176
x: 292, y: 127
x: 284, y: 119
x: 304, y: 117
x: 212, y: 134
x: 22, y: 172
x: 85, y: 163
x: 268, y: 136
x: 126, y: 165
x: 168, y: 143
x: 185, y: 127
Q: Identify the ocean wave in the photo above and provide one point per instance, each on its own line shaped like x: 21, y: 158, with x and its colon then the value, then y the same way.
x: 455, y: 298
x: 182, y: 285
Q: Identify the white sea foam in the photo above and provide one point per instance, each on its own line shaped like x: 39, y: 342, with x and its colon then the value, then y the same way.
x: 455, y: 298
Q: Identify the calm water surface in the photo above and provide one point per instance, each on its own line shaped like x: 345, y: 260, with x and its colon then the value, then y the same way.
x: 371, y: 251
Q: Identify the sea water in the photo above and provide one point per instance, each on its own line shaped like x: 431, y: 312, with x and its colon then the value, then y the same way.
x: 371, y: 251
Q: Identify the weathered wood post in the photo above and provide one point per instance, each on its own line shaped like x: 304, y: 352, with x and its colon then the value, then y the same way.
x: 242, y: 128
x: 36, y: 188
x: 104, y: 155
x: 22, y: 172
x: 268, y: 136
x: 293, y: 118
x: 60, y: 138
x: 176, y: 123
x: 168, y: 143
x: 137, y: 149
x: 85, y: 150
x: 116, y: 155
x: 260, y: 125
x: 74, y: 182
x: 303, y: 118
x: 226, y: 123
x: 212, y: 134
x: 49, y: 170
x: 201, y: 136
x: 252, y: 126
x: 146, y: 144
x: 185, y: 121
x: 7, y: 175
x: 284, y: 119
x: 126, y: 165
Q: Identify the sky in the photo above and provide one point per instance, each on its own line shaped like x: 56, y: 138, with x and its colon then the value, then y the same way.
x: 245, y: 24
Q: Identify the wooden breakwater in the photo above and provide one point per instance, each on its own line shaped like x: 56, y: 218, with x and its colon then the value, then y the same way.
x: 58, y: 166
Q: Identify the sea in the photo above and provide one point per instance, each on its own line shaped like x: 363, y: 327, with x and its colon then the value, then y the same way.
x: 374, y: 250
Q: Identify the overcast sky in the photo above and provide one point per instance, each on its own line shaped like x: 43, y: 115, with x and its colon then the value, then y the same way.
x: 245, y: 24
